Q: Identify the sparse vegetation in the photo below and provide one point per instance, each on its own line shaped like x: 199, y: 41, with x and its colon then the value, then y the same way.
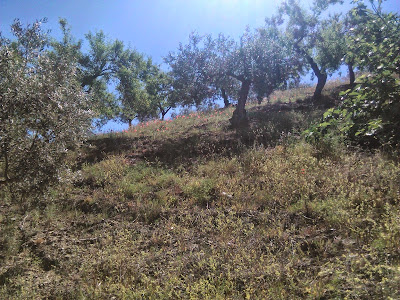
x: 166, y: 211
x: 282, y: 206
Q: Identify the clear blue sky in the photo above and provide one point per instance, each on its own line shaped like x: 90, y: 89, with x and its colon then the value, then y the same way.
x: 153, y: 27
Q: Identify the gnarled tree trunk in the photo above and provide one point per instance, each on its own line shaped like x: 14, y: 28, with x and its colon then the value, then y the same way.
x: 239, y: 117
x: 321, y: 76
x: 163, y: 112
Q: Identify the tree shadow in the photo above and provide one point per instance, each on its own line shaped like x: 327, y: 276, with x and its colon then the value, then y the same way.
x: 268, y: 126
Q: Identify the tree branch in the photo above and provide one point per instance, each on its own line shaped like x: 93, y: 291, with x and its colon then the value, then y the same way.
x: 310, y: 60
x: 238, y: 77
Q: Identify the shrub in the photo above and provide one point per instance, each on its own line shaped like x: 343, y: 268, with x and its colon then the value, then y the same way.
x: 370, y: 112
x: 44, y: 113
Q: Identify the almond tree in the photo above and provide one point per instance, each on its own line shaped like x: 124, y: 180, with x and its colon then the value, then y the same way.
x: 97, y: 68
x: 159, y: 89
x: 134, y: 99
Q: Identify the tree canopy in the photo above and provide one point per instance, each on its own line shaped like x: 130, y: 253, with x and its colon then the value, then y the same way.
x: 370, y: 111
x: 43, y: 110
x: 51, y: 91
x: 320, y: 42
x: 261, y: 59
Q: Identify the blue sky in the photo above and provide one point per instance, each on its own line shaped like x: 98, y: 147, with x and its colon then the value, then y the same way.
x: 153, y: 27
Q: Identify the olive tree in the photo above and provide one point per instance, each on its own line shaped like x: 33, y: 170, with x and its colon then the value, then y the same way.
x: 320, y: 42
x: 43, y: 111
x: 190, y: 69
x: 261, y: 59
x: 197, y: 77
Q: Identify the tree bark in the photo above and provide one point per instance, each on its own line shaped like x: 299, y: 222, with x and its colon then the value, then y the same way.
x: 130, y: 123
x: 320, y: 85
x: 7, y: 179
x: 225, y: 97
x: 239, y: 117
x: 5, y: 154
x: 322, y: 77
x: 351, y: 74
x: 163, y: 111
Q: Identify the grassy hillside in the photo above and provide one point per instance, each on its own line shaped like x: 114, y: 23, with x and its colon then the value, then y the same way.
x: 191, y: 209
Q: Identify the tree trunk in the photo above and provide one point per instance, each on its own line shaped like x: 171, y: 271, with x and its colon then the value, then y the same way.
x: 5, y: 169
x: 225, y: 97
x: 239, y: 117
x: 322, y: 77
x: 351, y: 74
x: 130, y: 123
x: 163, y: 111
x: 320, y: 85
x: 259, y: 99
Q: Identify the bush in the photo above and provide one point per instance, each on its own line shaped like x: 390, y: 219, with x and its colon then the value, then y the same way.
x: 370, y: 112
x: 44, y: 113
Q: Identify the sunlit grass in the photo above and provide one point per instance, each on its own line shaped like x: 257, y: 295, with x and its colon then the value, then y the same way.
x: 304, y: 91
x: 190, y: 209
x: 178, y: 125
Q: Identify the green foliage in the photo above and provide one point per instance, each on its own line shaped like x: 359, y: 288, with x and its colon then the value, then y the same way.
x: 370, y: 111
x: 145, y: 91
x: 44, y: 112
x: 159, y: 89
x: 186, y: 208
x: 134, y: 99
x: 97, y: 68
x: 103, y: 102
x: 261, y: 59
x: 102, y: 59
x: 67, y: 48
x: 192, y: 70
x: 265, y: 58
x: 317, y: 40
x: 330, y: 44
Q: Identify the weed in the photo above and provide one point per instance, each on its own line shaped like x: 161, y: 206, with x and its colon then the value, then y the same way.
x: 195, y: 210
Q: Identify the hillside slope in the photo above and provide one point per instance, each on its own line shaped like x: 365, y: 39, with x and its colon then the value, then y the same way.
x: 191, y: 209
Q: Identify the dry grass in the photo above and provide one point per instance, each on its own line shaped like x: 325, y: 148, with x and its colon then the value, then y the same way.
x: 195, y: 210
